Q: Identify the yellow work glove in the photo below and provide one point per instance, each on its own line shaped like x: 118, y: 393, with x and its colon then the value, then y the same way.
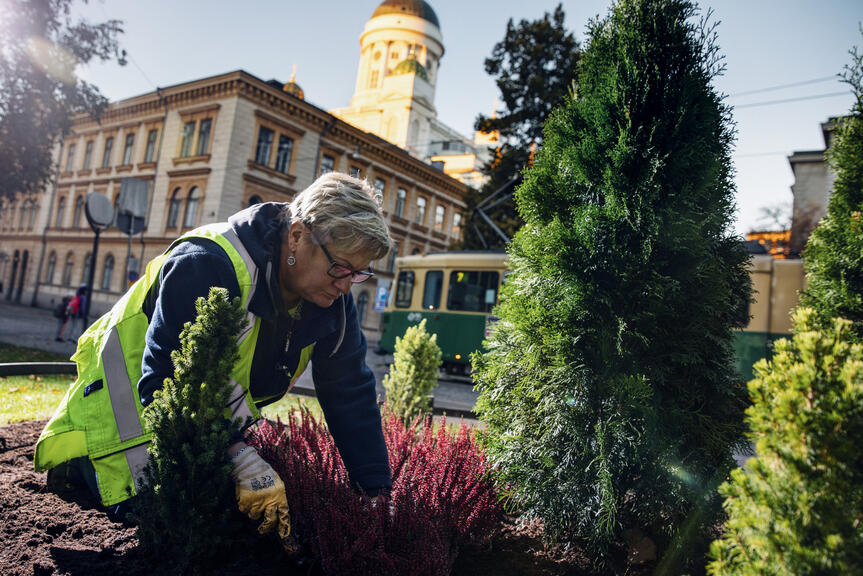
x: 260, y: 492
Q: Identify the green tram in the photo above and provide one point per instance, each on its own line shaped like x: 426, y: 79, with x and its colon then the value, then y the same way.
x: 457, y: 291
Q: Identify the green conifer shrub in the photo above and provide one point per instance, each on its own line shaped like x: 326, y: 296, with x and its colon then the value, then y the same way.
x: 797, y: 508
x: 187, y: 510
x: 834, y: 254
x: 608, y: 386
x: 413, y: 373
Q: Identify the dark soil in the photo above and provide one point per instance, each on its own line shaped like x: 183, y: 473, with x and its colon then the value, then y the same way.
x: 43, y: 534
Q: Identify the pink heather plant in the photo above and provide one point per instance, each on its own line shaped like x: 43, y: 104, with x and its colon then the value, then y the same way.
x: 442, y: 497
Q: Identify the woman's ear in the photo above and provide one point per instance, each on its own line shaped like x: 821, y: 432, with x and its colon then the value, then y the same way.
x: 295, y: 233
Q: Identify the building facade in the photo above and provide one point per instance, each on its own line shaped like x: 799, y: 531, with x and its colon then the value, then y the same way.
x: 813, y: 185
x: 207, y: 149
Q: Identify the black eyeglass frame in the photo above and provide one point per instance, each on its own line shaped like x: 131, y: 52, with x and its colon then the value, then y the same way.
x: 332, y: 270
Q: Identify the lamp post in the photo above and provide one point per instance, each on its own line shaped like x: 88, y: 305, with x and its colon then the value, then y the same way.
x: 100, y: 214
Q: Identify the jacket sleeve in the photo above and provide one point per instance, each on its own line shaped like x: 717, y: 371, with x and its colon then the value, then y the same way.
x: 345, y: 388
x: 188, y: 273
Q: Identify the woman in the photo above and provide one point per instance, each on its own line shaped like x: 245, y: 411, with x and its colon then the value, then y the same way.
x: 292, y: 265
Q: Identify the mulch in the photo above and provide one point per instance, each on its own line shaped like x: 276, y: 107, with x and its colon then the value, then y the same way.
x: 42, y: 534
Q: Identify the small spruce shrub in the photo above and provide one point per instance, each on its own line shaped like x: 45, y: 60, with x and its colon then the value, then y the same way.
x: 187, y: 509
x: 441, y: 499
x: 797, y: 508
x: 414, y: 372
x: 834, y: 254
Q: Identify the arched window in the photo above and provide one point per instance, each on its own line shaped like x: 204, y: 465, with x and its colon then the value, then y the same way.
x: 362, y: 306
x: 107, y: 272
x: 67, y: 269
x: 191, y: 208
x: 255, y: 199
x: 49, y: 271
x: 85, y: 273
x: 61, y: 212
x: 174, y: 209
x: 79, y: 209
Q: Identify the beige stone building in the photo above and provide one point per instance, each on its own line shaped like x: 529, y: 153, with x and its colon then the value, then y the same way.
x: 813, y: 185
x: 207, y: 149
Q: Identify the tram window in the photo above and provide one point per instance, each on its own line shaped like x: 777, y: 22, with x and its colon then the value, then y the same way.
x: 432, y: 290
x: 472, y: 290
x: 404, y: 289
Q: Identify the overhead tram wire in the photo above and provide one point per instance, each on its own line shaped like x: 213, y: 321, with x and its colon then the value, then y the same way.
x: 789, y: 100
x: 784, y: 86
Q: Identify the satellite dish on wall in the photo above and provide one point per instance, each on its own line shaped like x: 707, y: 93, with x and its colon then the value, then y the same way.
x: 99, y: 211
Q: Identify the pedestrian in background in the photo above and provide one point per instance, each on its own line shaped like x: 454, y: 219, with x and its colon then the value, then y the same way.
x: 78, y: 307
x: 62, y: 312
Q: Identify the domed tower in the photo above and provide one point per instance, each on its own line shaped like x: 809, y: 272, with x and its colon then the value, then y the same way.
x: 400, y: 51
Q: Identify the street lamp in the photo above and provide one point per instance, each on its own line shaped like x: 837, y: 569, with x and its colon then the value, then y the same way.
x: 100, y: 214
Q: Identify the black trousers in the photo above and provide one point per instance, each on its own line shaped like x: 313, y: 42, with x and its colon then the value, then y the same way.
x: 76, y: 478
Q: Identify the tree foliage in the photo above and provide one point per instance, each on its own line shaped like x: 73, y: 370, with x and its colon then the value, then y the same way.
x: 413, y: 374
x: 187, y: 509
x: 609, y: 386
x: 534, y: 67
x: 40, y: 46
x: 797, y: 507
x: 834, y: 254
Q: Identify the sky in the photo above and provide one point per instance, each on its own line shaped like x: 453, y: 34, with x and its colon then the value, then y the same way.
x: 782, y: 59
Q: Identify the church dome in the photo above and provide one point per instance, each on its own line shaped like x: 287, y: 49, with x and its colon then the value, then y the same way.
x: 410, y: 66
x: 418, y: 8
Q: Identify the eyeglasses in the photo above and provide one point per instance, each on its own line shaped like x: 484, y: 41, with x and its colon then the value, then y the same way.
x: 338, y: 271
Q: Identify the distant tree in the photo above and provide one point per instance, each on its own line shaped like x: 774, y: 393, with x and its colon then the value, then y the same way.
x: 609, y: 386
x: 534, y: 67
x: 40, y: 46
x: 413, y: 373
x: 773, y: 218
x: 834, y: 254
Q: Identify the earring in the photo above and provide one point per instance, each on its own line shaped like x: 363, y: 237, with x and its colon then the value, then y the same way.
x: 291, y: 260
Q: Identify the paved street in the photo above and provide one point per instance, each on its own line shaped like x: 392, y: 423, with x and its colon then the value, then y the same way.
x: 35, y: 328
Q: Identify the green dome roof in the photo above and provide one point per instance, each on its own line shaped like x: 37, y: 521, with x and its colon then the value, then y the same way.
x: 410, y: 66
x: 418, y: 8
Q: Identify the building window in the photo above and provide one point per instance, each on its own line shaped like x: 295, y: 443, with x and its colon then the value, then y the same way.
x: 49, y: 271
x: 70, y: 158
x: 191, y: 208
x: 188, y: 137
x: 33, y: 209
x: 127, y: 149
x: 67, y: 269
x: 61, y: 210
x: 174, y: 209
x: 400, y: 203
x: 107, y: 272
x: 380, y: 186
x: 472, y: 290
x: 439, y: 216
x: 362, y: 306
x: 391, y: 257
x: 432, y: 290
x: 373, y: 79
x: 420, y: 216
x: 88, y: 154
x: 79, y: 209
x: 265, y: 144
x: 204, y: 136
x: 150, y: 152
x: 106, y: 154
x: 85, y: 273
x: 255, y: 199
x: 456, y: 225
x: 355, y: 172
x: 22, y: 215
x: 283, y: 154
x: 328, y: 164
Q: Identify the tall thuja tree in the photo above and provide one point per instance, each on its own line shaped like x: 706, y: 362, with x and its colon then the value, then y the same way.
x: 834, y: 253
x: 609, y: 388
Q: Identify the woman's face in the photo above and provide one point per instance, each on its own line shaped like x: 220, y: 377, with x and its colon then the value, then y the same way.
x: 308, y: 278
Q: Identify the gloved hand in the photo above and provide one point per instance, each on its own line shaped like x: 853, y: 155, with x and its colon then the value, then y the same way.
x: 260, y: 491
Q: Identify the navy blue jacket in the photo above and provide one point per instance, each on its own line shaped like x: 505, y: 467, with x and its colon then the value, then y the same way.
x: 344, y: 384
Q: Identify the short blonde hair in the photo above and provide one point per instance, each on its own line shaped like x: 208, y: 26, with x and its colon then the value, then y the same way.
x: 345, y: 212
